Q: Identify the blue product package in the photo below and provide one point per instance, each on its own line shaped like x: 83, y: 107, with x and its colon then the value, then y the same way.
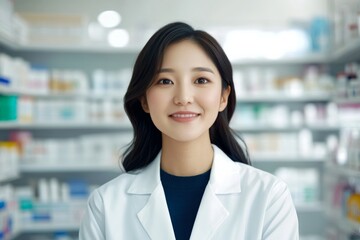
x: 320, y: 34
x: 78, y: 189
x: 4, y: 81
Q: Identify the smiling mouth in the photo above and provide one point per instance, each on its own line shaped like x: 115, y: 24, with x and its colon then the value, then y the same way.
x: 185, y: 115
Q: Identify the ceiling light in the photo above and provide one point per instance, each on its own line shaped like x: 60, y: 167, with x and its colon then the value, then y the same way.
x: 118, y: 38
x: 109, y: 19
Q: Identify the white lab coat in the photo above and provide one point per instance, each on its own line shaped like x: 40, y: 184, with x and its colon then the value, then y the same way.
x: 240, y: 202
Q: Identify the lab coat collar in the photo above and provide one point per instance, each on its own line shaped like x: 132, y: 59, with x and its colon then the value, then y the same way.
x: 224, y: 177
x: 155, y: 217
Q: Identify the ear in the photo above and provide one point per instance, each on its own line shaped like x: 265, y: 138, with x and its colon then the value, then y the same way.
x: 224, y: 98
x: 144, y: 104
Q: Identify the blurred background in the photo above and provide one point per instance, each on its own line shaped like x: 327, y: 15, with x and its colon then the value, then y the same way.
x: 65, y: 65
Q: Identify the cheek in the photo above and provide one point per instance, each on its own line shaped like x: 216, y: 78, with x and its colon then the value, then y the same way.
x: 211, y: 99
x: 154, y: 99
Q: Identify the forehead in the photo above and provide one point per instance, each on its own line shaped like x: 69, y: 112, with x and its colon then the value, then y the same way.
x: 186, y: 53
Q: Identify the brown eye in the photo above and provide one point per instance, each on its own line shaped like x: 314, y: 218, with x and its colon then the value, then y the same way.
x: 165, y: 81
x: 201, y: 81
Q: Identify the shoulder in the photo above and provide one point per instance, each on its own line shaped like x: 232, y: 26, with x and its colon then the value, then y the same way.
x: 252, y: 177
x: 250, y: 180
x: 115, y: 187
x: 265, y: 188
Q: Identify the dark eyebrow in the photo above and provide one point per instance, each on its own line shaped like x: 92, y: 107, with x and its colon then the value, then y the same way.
x: 203, y: 69
x: 162, y: 70
x: 196, y: 69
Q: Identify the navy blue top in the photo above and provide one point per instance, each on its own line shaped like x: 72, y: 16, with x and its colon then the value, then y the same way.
x: 183, y: 197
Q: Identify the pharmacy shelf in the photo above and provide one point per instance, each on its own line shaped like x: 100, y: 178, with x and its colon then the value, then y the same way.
x: 347, y: 101
x: 266, y: 128
x: 299, y: 59
x: 95, y: 96
x: 7, y: 40
x: 342, y: 54
x: 346, y: 53
x: 38, y: 168
x: 16, y: 232
x: 264, y: 98
x: 65, y: 125
x: 343, y: 171
x: 346, y: 225
x: 311, y: 237
x: 11, y: 42
x: 42, y: 227
x: 8, y: 178
x: 88, y: 47
x: 310, y: 207
x: 349, y: 52
x: 263, y: 158
x: 104, y: 48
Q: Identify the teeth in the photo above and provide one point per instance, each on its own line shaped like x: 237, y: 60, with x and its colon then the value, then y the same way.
x: 184, y: 115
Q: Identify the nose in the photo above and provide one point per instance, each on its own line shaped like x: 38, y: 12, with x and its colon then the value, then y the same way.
x: 183, y: 95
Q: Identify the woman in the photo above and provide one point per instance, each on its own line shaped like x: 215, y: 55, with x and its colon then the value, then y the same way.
x: 186, y: 175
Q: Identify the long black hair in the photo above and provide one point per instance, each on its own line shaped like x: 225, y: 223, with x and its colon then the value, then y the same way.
x: 147, y: 141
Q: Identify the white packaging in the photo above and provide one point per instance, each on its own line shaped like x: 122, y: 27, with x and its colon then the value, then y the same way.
x: 43, y: 188
x: 319, y: 150
x: 239, y: 84
x: 332, y: 144
x: 21, y: 74
x: 7, y: 69
x: 280, y: 116
x: 82, y: 110
x: 54, y: 190
x: 38, y: 79
x: 65, y: 194
x: 25, y: 109
x: 310, y: 114
x: 305, y: 144
x: 51, y: 152
x: 99, y: 85
x: 297, y: 118
x: 332, y: 114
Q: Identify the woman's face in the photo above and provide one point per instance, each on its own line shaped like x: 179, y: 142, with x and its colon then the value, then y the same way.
x: 186, y: 94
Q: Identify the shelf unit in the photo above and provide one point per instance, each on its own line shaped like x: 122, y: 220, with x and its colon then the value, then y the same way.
x: 73, y: 168
x: 347, y: 53
x: 342, y: 54
x: 266, y: 128
x: 314, y: 58
x: 342, y: 173
x: 278, y: 97
x: 345, y: 225
x: 7, y: 210
x: 65, y: 125
x: 42, y: 227
x: 96, y: 96
x: 9, y: 178
x: 313, y: 208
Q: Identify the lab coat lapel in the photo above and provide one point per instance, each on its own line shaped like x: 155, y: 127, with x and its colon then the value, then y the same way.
x: 154, y: 216
x: 210, y: 216
x: 224, y: 179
